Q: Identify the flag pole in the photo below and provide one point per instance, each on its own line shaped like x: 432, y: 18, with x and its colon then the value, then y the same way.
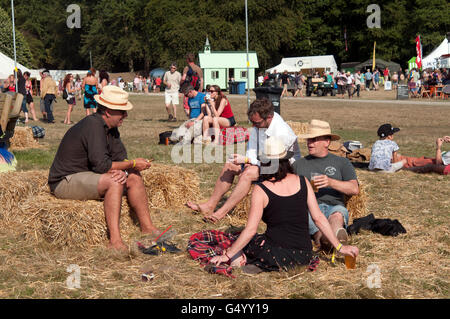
x: 373, y: 60
x: 248, y: 60
x: 14, y: 43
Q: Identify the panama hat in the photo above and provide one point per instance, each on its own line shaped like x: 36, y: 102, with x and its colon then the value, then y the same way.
x: 319, y: 128
x: 274, y: 148
x: 114, y: 98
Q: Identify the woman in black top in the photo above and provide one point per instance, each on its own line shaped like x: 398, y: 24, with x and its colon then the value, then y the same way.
x: 282, y: 201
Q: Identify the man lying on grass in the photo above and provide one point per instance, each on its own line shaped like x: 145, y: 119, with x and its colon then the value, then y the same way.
x: 91, y: 163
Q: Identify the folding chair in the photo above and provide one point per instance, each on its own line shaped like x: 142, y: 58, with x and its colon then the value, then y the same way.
x: 425, y: 92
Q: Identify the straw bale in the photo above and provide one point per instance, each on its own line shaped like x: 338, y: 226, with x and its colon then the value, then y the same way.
x: 71, y: 223
x: 23, y: 139
x: 299, y: 128
x: 170, y: 186
x: 357, y: 204
x: 17, y: 186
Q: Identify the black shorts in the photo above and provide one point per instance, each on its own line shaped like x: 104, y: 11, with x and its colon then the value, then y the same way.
x: 232, y: 121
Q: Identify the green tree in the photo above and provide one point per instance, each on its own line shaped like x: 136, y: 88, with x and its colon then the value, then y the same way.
x: 23, y: 52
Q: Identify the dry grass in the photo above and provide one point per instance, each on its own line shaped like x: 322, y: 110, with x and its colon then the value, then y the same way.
x: 412, y: 265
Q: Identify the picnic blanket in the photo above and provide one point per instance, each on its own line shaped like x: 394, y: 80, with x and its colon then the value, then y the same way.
x: 205, y: 245
x: 234, y: 134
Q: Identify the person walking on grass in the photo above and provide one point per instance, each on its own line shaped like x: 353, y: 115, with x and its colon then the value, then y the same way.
x: 171, y: 80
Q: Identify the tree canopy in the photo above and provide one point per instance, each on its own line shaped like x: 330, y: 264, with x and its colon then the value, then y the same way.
x: 127, y: 35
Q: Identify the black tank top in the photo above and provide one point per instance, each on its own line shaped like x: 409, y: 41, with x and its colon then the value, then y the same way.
x: 287, y: 218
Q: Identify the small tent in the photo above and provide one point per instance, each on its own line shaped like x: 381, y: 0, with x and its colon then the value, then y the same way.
x: 379, y: 63
x: 306, y: 64
x: 412, y: 63
x: 431, y: 60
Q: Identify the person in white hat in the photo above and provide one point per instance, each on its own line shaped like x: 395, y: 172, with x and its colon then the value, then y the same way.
x: 337, y: 177
x: 282, y: 199
x: 266, y: 122
x: 91, y: 163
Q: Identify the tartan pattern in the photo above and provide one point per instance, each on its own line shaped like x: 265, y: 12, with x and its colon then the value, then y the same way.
x: 205, y: 245
x: 234, y: 134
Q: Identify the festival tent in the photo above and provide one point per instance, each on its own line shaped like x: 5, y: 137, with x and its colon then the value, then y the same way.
x: 431, y: 60
x: 379, y: 63
x: 412, y: 63
x: 7, y: 67
x: 306, y: 64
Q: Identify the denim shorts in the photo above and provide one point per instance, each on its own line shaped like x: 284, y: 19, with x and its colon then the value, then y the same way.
x: 328, y: 210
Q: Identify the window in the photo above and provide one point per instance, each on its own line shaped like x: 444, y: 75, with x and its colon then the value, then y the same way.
x: 243, y: 74
x: 214, y: 75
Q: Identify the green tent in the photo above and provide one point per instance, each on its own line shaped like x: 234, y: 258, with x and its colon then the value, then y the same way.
x: 412, y: 63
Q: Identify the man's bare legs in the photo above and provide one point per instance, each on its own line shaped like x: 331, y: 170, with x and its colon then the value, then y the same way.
x: 223, y: 184
x: 336, y: 221
x: 137, y: 197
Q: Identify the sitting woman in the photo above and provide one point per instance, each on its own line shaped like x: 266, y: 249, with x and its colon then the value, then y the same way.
x: 282, y: 201
x: 219, y: 114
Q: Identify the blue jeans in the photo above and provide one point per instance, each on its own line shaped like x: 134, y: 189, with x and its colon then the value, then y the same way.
x: 48, y: 99
x: 328, y: 210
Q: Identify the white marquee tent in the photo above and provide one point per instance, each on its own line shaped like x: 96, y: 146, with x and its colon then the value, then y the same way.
x: 306, y: 63
x: 430, y: 61
x: 7, y: 67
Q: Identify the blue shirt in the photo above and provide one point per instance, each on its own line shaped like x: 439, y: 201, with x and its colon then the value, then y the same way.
x: 195, y: 104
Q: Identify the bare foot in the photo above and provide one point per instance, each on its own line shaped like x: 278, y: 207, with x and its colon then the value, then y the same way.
x: 201, y: 208
x: 119, y: 246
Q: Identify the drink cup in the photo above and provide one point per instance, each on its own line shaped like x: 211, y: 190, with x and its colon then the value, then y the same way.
x: 313, y: 176
x: 350, y: 262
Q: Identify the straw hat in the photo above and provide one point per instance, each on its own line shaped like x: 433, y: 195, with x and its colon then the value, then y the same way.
x: 274, y: 148
x: 114, y: 98
x: 319, y: 128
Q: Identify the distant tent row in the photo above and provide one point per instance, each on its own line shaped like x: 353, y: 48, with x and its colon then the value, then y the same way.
x: 379, y: 63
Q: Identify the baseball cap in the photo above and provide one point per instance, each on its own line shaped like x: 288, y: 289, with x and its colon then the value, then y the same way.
x: 386, y: 130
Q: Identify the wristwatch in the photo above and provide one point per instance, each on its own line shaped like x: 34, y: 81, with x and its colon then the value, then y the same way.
x: 126, y: 172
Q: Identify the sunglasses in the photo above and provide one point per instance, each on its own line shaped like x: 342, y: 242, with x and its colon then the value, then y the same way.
x: 212, y: 91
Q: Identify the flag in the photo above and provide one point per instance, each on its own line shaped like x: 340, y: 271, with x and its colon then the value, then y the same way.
x: 419, y: 52
x: 373, y: 63
x: 345, y: 37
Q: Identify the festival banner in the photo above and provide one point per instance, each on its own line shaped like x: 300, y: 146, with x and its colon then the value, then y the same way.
x: 419, y: 52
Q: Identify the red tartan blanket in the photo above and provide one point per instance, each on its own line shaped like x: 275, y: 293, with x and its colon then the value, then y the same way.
x: 204, y: 245
x: 234, y: 134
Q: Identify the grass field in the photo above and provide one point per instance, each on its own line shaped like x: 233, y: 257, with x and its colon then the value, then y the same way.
x: 412, y: 265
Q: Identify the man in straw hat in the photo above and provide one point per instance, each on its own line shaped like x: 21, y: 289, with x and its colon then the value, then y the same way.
x: 336, y: 178
x: 266, y: 123
x: 91, y: 163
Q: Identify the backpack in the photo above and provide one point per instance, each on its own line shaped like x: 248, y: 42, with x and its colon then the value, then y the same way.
x: 193, y: 78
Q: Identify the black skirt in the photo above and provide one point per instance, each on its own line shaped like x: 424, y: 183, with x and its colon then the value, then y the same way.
x: 260, y: 252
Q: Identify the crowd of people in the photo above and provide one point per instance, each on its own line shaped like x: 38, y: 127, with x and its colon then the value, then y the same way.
x: 301, y: 199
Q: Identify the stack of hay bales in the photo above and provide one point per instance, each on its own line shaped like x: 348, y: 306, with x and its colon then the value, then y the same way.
x: 23, y: 139
x: 30, y: 209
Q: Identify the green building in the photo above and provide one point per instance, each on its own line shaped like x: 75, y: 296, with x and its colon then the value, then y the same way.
x: 222, y: 66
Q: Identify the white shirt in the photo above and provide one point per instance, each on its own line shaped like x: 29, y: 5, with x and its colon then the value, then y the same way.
x: 279, y: 128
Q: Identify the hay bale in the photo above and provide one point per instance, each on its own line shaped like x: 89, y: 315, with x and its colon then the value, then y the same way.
x: 357, y: 204
x: 28, y: 207
x: 18, y: 186
x: 71, y: 223
x: 170, y: 186
x: 23, y: 139
x: 298, y: 127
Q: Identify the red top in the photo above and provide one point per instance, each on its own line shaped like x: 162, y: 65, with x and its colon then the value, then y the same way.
x: 158, y: 81
x: 227, y: 112
x: 12, y: 88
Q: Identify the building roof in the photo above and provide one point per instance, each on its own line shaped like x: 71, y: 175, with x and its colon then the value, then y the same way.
x: 227, y: 59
